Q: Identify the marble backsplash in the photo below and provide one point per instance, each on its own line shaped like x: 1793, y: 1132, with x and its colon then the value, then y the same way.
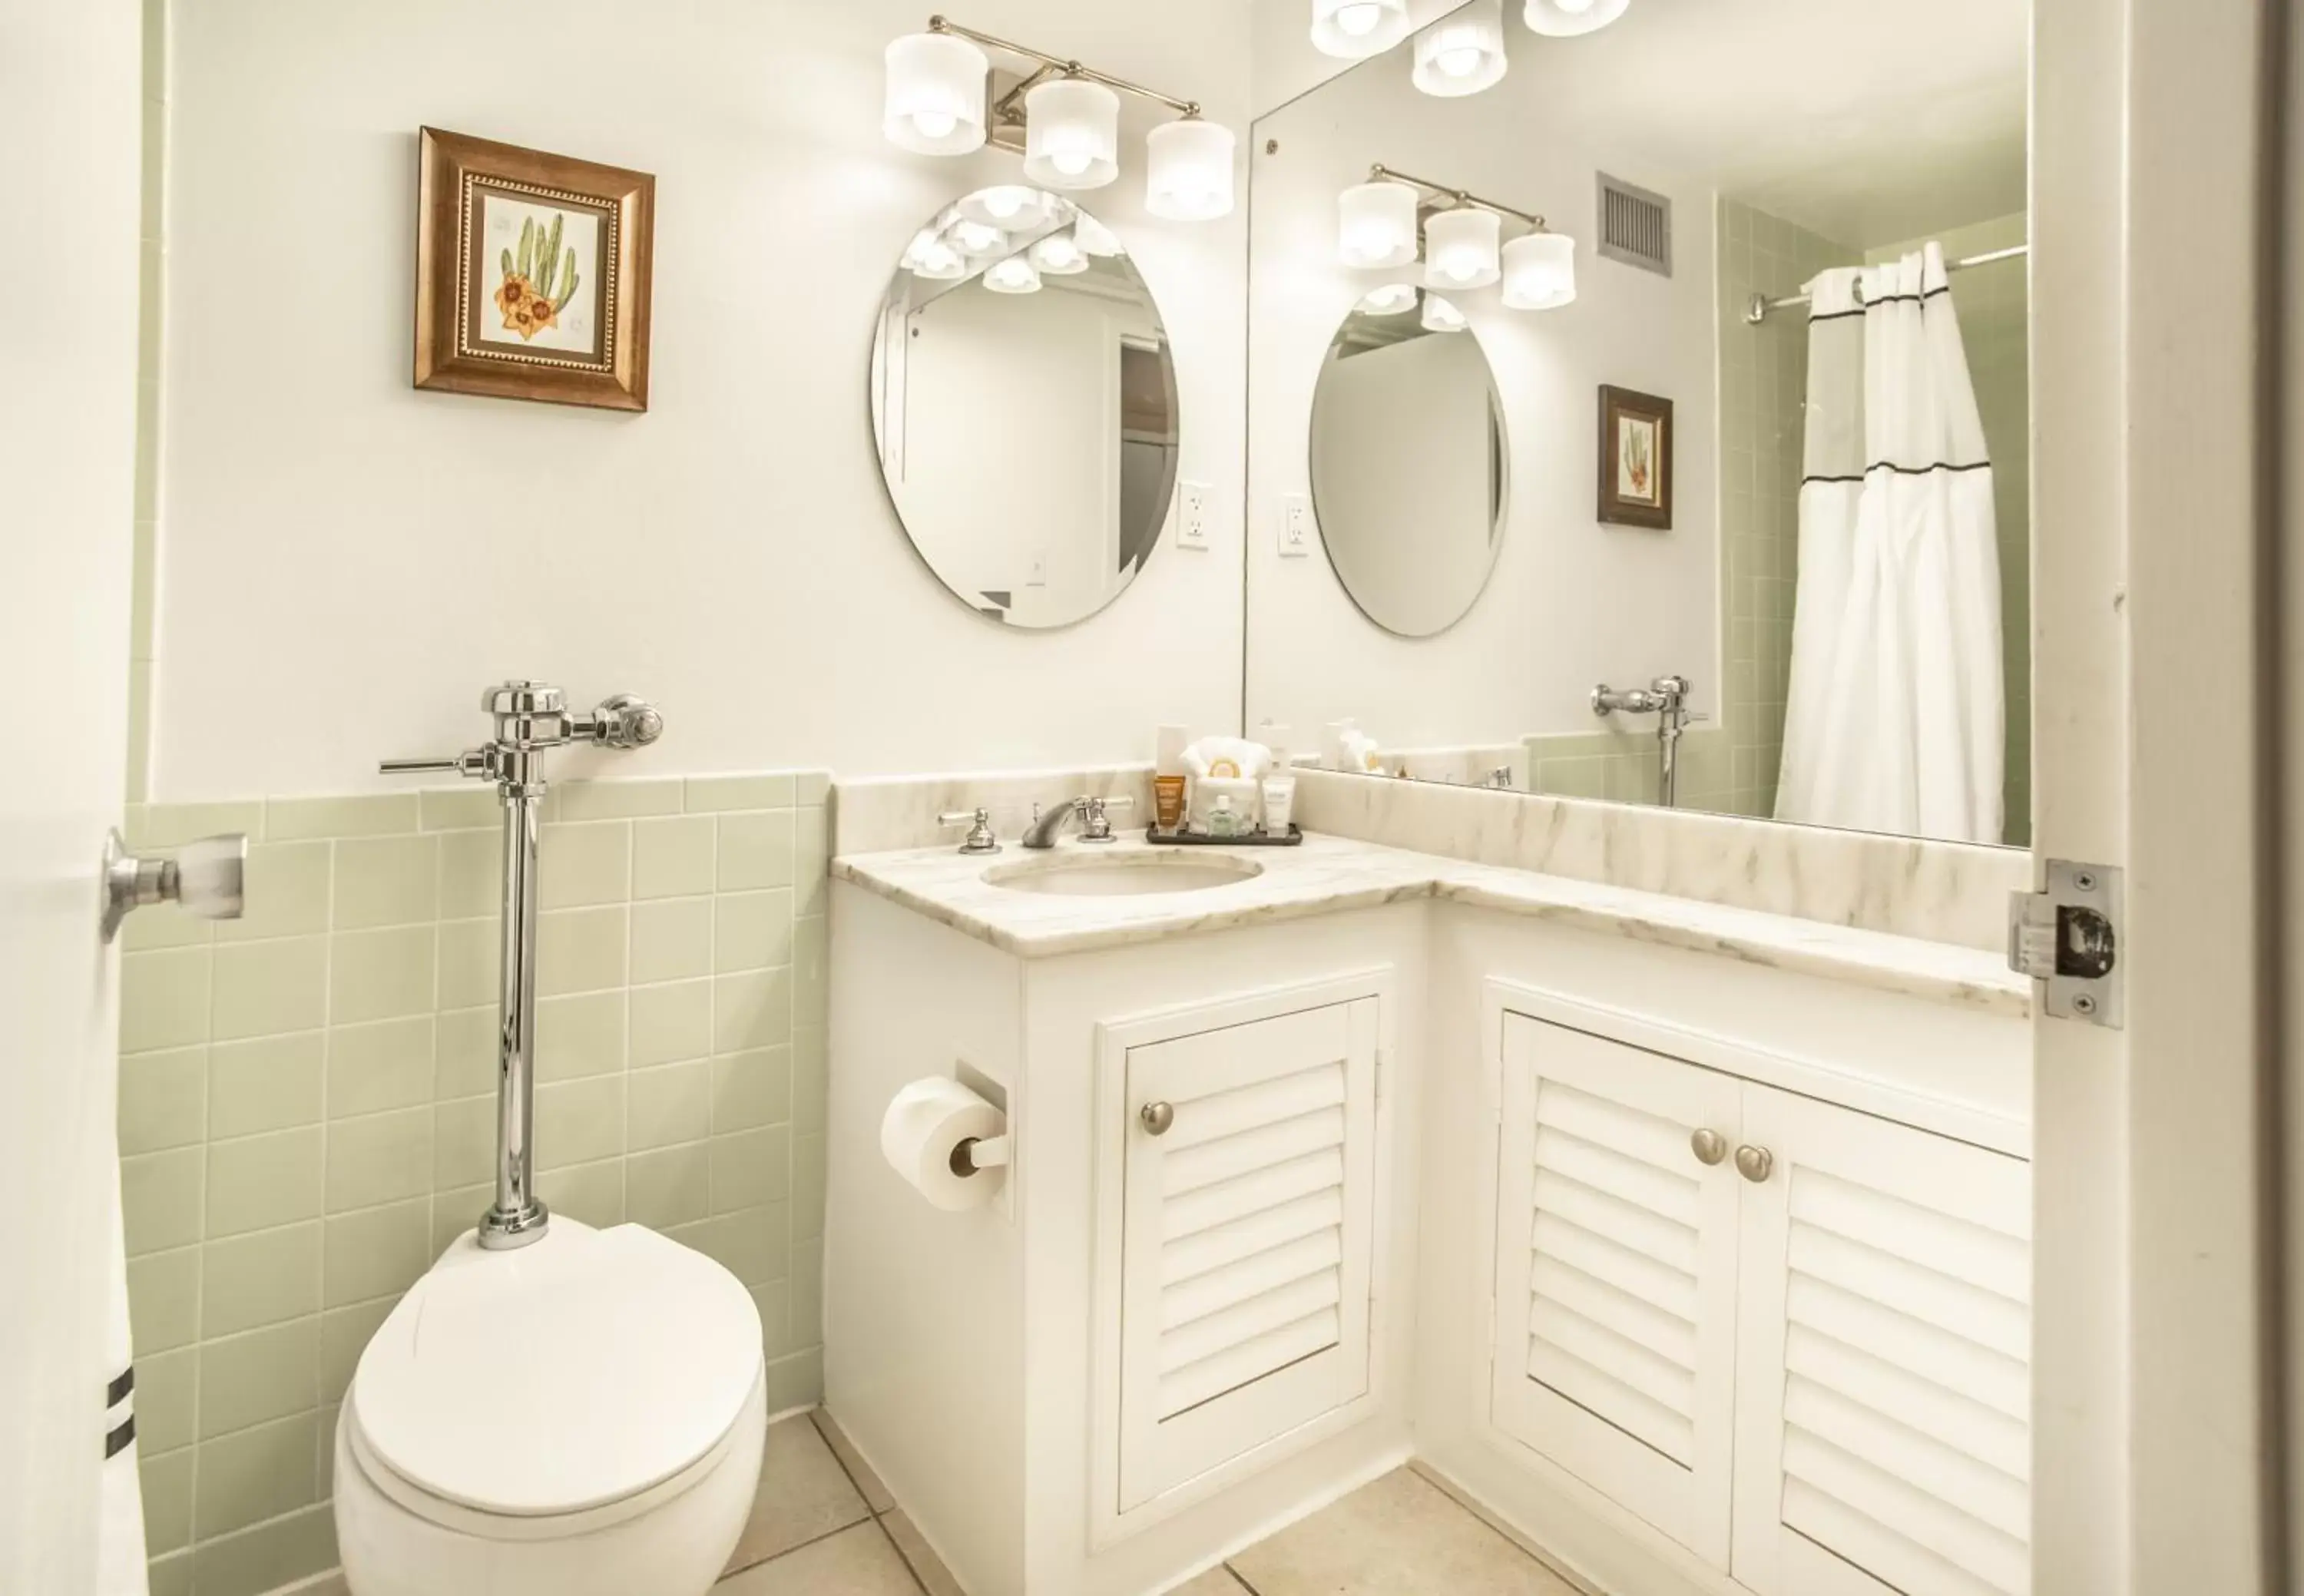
x: 1941, y: 892
x: 901, y: 811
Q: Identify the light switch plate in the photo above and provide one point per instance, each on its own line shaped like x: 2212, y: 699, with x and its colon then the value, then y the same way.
x: 1295, y: 526
x: 1192, y: 516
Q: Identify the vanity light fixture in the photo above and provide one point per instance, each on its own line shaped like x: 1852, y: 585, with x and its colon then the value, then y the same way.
x: 931, y: 257
x: 1540, y: 272
x: 1442, y: 317
x: 1015, y: 275
x: 1095, y: 237
x: 1355, y: 29
x: 1461, y: 234
x: 1460, y: 248
x: 971, y: 237
x: 1059, y: 255
x: 1463, y: 52
x: 1376, y: 224
x: 1010, y: 207
x: 1062, y: 116
x: 1390, y: 299
x: 1565, y: 19
x: 934, y: 103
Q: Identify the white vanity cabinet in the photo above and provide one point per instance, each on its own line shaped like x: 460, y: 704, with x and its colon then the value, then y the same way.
x: 1244, y: 1248
x: 1791, y: 1336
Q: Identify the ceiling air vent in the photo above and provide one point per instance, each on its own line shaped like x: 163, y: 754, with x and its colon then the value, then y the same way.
x: 1635, y: 225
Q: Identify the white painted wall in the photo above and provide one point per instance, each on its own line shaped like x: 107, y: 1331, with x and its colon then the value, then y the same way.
x: 346, y: 560
x: 1570, y: 602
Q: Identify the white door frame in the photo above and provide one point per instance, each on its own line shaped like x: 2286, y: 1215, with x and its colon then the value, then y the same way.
x: 2156, y: 1218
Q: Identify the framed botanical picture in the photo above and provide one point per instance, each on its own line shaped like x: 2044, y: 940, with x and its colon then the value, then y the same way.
x: 531, y: 274
x: 1635, y: 459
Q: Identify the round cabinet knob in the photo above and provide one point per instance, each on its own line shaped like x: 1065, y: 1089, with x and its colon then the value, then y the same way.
x: 1709, y: 1146
x: 1754, y: 1164
x: 1157, y: 1117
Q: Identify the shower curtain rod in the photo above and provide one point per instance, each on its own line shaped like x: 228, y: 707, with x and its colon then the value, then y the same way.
x: 1758, y: 310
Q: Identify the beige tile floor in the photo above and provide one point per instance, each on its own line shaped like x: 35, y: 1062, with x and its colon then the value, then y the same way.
x: 825, y: 1525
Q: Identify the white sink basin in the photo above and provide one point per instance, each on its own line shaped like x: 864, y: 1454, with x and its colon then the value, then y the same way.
x: 1122, y: 875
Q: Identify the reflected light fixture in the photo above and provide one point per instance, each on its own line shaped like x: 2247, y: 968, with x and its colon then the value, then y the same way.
x: 930, y: 257
x: 1015, y: 275
x: 1063, y: 115
x: 1009, y: 206
x: 1059, y: 255
x: 1354, y: 30
x: 1540, y: 272
x: 1565, y: 19
x: 1390, y: 299
x: 1441, y: 316
x: 935, y: 97
x: 1189, y: 175
x: 1094, y: 236
x: 1460, y: 248
x: 1463, y: 52
x: 1071, y: 134
x: 1376, y: 225
x: 975, y: 238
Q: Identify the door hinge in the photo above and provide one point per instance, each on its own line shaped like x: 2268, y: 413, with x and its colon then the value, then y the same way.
x: 2067, y: 938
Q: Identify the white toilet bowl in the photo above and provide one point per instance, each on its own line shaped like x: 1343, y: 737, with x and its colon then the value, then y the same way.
x: 581, y: 1417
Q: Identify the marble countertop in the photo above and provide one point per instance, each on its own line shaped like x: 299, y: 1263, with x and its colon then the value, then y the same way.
x: 1329, y: 874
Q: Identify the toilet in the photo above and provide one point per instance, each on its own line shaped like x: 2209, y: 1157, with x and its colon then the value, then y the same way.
x: 583, y: 1416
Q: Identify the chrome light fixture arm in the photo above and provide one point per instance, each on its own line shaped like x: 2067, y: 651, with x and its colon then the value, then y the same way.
x: 531, y: 718
x: 1055, y: 66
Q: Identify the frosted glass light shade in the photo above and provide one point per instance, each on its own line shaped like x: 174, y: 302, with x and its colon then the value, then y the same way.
x: 1390, y: 299
x: 975, y: 238
x: 1015, y: 275
x: 1460, y: 248
x: 1565, y: 19
x: 1059, y: 255
x: 1072, y: 134
x: 1376, y: 225
x: 1462, y: 52
x: 1540, y: 272
x: 932, y: 258
x: 1352, y: 29
x: 1188, y: 170
x: 936, y: 94
x: 1009, y: 206
x: 1442, y: 317
x: 1095, y: 237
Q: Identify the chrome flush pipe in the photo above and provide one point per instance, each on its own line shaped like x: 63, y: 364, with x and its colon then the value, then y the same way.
x: 1666, y: 698
x: 530, y: 717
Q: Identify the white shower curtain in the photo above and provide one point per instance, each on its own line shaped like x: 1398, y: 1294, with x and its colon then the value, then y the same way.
x: 1894, y: 719
x: 120, y: 1551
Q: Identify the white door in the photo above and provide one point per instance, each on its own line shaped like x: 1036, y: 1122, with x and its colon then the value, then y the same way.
x: 1615, y: 1308
x: 1884, y: 1343
x: 69, y: 108
x: 1248, y: 1238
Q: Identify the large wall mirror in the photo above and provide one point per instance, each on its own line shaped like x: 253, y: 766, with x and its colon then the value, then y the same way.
x: 1802, y: 227
x: 1024, y: 404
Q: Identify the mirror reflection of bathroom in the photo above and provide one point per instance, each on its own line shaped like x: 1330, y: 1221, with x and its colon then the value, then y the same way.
x: 1799, y: 588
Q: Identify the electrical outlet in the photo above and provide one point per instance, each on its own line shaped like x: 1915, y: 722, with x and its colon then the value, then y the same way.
x: 1295, y: 526
x: 1192, y: 516
x: 1036, y: 569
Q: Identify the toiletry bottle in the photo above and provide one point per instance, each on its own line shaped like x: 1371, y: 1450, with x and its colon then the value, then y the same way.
x: 1168, y: 780
x: 1222, y: 820
x: 1279, y: 801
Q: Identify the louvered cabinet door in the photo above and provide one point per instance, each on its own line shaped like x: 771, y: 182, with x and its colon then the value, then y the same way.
x: 1884, y: 1343
x: 1247, y: 1239
x: 1616, y: 1274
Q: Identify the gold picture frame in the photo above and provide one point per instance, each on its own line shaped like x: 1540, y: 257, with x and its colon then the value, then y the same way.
x: 532, y: 274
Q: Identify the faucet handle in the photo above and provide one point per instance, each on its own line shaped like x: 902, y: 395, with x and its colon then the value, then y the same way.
x: 1099, y: 827
x: 980, y: 839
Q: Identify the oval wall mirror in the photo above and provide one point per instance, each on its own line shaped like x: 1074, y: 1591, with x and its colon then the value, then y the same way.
x: 1024, y: 404
x: 1407, y: 461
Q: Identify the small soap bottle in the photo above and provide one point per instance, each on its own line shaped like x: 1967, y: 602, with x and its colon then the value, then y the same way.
x: 1222, y: 820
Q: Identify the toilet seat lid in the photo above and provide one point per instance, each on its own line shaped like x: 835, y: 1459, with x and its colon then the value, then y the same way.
x: 560, y: 1376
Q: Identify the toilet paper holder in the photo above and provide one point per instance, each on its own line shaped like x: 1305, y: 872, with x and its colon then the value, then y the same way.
x: 976, y: 1154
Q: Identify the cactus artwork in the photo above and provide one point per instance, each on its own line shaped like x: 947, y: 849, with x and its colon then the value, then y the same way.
x: 539, y: 280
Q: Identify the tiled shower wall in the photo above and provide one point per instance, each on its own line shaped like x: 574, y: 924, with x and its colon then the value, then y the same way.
x: 307, y: 1110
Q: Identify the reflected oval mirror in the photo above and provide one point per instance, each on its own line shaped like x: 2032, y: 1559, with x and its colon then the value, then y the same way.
x: 1407, y: 461
x: 1024, y: 404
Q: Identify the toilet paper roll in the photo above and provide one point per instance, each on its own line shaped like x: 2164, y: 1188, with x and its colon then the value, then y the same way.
x: 926, y: 1122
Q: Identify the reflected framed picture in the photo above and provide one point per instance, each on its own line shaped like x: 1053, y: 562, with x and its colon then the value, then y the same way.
x: 532, y: 274
x: 1636, y: 445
